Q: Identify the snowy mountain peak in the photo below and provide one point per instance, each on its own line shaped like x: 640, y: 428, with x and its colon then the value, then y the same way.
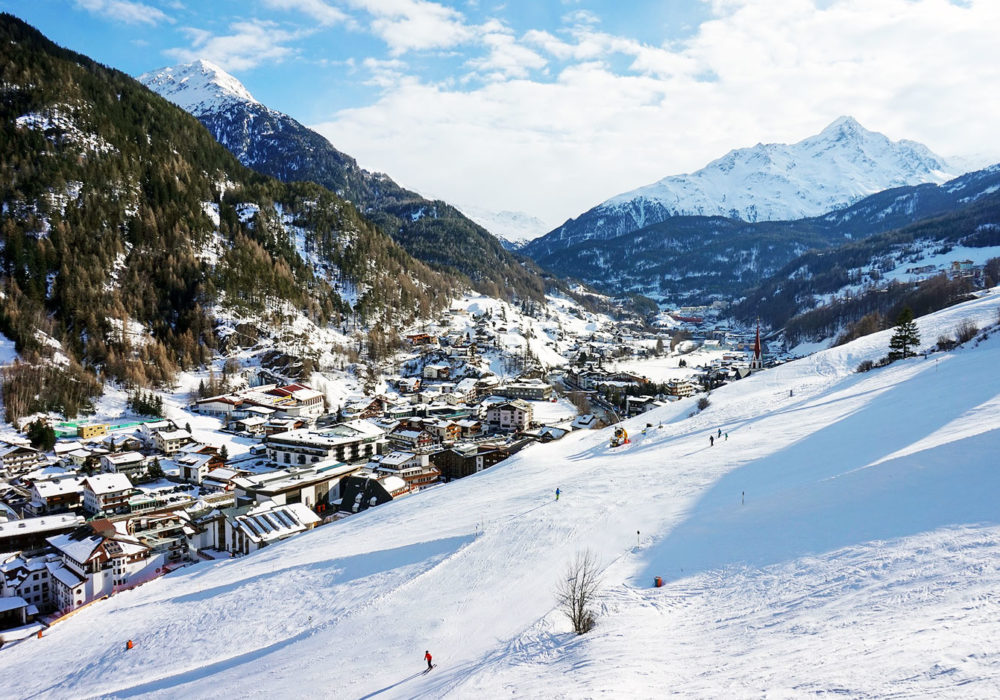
x: 844, y: 126
x: 515, y: 227
x: 766, y: 182
x: 199, y: 87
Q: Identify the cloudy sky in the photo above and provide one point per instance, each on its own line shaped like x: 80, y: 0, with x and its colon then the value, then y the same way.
x: 551, y: 106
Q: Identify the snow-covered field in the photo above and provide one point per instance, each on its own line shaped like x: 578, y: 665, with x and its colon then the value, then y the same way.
x: 843, y: 540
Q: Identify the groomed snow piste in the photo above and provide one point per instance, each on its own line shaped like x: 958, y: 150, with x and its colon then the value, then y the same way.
x: 843, y: 539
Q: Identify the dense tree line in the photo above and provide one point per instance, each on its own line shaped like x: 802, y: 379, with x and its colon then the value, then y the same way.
x: 109, y: 247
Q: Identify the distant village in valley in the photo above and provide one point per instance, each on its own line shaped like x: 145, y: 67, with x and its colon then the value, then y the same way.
x: 94, y: 507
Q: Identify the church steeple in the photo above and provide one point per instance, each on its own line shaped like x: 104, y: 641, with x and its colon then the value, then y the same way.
x: 757, y: 363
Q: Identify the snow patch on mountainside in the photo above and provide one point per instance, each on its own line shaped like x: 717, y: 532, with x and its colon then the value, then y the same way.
x: 198, y: 88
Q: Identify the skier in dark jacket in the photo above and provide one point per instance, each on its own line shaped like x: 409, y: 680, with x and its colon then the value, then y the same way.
x: 711, y: 441
x: 427, y: 657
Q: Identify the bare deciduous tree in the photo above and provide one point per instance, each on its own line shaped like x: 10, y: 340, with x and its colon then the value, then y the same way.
x: 577, y: 592
x: 966, y: 331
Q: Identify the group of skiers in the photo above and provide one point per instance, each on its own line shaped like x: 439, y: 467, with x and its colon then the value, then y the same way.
x: 712, y: 438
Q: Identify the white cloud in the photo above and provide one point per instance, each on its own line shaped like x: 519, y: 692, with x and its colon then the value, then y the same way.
x: 320, y: 11
x: 920, y: 69
x: 413, y: 25
x: 249, y: 44
x: 506, y: 58
x: 124, y: 11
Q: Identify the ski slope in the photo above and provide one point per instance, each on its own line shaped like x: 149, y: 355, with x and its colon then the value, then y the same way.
x: 843, y: 539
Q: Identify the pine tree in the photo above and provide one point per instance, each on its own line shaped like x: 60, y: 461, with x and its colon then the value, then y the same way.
x: 905, y: 338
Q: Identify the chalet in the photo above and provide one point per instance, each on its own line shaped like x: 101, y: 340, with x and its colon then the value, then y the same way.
x: 121, y: 443
x: 587, y: 421
x: 252, y: 425
x: 411, y: 439
x: 408, y: 385
x: 469, y: 427
x: 223, y: 478
x: 267, y: 523
x: 55, y: 496
x: 63, y: 447
x: 510, y: 416
x: 147, y: 431
x: 17, y: 459
x: 680, y: 388
x: 444, y: 430
x: 368, y: 407
x: 636, y: 405
x: 106, y: 492
x: 418, y: 339
x: 194, y: 467
x: 466, y: 389
x: 128, y: 463
x: 170, y: 441
x: 282, y: 425
x: 437, y: 371
x: 304, y: 402
x: 98, y: 560
x: 415, y: 469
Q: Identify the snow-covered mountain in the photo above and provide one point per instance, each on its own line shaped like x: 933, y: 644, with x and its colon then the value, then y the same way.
x: 841, y: 539
x: 511, y: 227
x: 198, y: 87
x: 275, y: 144
x: 768, y: 182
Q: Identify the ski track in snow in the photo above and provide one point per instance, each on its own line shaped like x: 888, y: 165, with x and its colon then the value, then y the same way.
x: 863, y: 561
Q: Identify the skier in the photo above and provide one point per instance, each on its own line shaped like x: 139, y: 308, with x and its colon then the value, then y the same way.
x: 720, y: 432
x: 711, y: 441
x: 128, y: 645
x: 557, y: 493
x: 427, y: 657
x: 727, y: 437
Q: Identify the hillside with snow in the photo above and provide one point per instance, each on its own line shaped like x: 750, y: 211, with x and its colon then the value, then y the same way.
x: 768, y: 182
x: 841, y: 537
x: 277, y: 145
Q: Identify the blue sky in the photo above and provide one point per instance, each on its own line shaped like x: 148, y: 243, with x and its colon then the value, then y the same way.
x: 551, y: 106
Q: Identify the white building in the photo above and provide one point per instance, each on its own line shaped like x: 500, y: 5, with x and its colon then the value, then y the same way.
x: 170, y: 441
x: 345, y: 442
x: 129, y: 463
x: 15, y: 459
x: 98, y: 560
x: 314, y: 486
x: 510, y: 415
x: 105, y: 492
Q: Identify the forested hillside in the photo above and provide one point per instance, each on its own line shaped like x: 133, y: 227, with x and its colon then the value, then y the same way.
x: 276, y: 144
x: 852, y: 279
x: 126, y: 226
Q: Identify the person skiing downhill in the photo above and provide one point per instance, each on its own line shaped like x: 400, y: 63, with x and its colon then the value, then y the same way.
x: 557, y: 494
x: 427, y: 657
x: 711, y: 441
